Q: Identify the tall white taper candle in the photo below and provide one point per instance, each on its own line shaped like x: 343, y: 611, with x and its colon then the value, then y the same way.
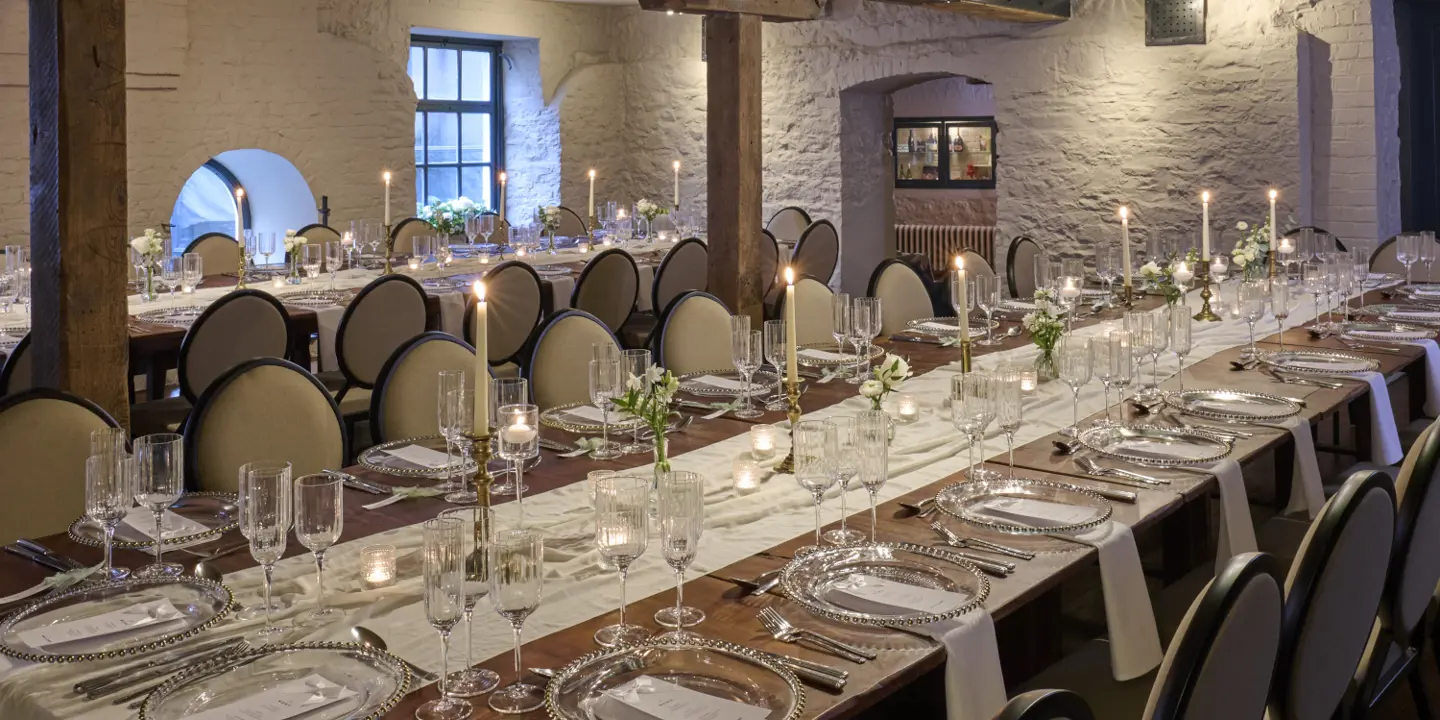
x: 1205, y: 226
x: 963, y: 307
x: 1125, y: 242
x: 791, y: 371
x: 387, y: 197
x: 482, y: 363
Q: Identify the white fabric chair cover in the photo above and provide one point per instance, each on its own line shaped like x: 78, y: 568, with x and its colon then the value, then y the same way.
x: 45, y: 439
x: 788, y: 224
x: 695, y: 335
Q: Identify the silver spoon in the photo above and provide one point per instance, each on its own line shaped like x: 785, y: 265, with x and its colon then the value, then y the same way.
x: 368, y: 638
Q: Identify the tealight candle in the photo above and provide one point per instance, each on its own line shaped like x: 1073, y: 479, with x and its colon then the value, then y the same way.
x: 1069, y: 290
x: 484, y: 259
x: 746, y: 475
x: 519, y: 252
x: 1217, y: 269
x: 762, y: 442
x: 518, y: 434
x: 414, y: 263
x: 583, y: 247
x: 1286, y: 246
x: 1029, y: 380
x: 605, y: 242
x: 907, y: 408
x: 377, y: 563
x: 278, y: 282
x: 1182, y: 273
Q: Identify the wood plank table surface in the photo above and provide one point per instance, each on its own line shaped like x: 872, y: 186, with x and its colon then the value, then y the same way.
x: 1025, y: 605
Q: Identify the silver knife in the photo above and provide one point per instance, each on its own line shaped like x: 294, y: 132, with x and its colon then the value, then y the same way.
x: 164, y: 658
x: 33, y: 546
x: 160, y: 671
x: 990, y: 567
x: 37, y: 558
x: 1124, y: 496
x: 909, y: 338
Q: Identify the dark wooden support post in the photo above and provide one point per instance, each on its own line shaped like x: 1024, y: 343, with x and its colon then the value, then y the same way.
x: 733, y: 159
x: 77, y: 199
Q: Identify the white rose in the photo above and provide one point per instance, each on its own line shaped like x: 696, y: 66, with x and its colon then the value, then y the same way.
x: 289, y: 233
x: 1150, y: 268
x: 140, y: 244
x: 871, y: 388
x: 1242, y: 225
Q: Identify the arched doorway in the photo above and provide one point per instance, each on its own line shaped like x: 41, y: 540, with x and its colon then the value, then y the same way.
x: 277, y: 198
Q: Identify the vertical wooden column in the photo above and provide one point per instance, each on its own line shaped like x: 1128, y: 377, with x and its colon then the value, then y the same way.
x: 732, y: 153
x: 77, y: 199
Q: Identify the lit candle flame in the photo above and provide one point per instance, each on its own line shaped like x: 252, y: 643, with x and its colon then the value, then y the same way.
x: 789, y: 276
x: 239, y: 192
x: 386, y: 175
x: 959, y: 262
x: 1205, y: 197
x: 1124, y: 212
x: 676, y: 165
x: 502, y: 178
x: 1274, y: 193
x: 479, y: 291
x: 592, y: 173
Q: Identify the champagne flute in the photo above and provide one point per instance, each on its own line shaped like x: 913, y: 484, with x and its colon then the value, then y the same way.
x: 872, y: 434
x: 1180, y: 340
x: 1140, y: 326
x: 814, y: 450
x: 1252, y: 300
x: 1122, y: 365
x: 255, y: 610
x: 1009, y: 408
x: 517, y: 576
x: 680, y: 497
x: 448, y: 382
x: 193, y: 272
x: 978, y: 403
x: 1280, y: 306
x: 987, y: 298
x: 841, y: 322
x: 519, y: 441
x: 605, y: 385
x: 1159, y: 340
x: 866, y: 320
x: 635, y: 363
x: 1102, y: 368
x: 847, y: 466
x: 1407, y: 251
x: 478, y: 523
x: 172, y: 273
x: 746, y: 351
x: 443, y: 567
x: 160, y: 481
x: 319, y: 519
x: 1106, y: 263
x: 334, y: 260
x: 267, y: 517
x: 311, y: 258
x: 775, y: 348
x: 505, y: 392
x: 622, y: 532
x: 109, y: 493
x: 1073, y: 361
x: 457, y: 411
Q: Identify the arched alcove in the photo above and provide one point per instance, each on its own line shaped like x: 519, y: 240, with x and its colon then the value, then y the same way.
x: 277, y: 198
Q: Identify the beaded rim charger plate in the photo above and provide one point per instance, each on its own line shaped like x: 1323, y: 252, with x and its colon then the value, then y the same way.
x: 761, y: 383
x: 1319, y: 362
x: 849, y: 359
x: 314, y: 299
x: 819, y: 580
x: 1386, y: 331
x: 948, y: 326
x: 971, y: 502
x: 1156, y: 445
x: 379, y: 459
x: 12, y: 334
x: 560, y: 418
x: 714, y: 667
x: 217, y: 512
x: 178, y: 316
x: 1220, y: 404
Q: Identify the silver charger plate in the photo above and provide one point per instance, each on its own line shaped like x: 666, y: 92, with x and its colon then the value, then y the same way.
x: 219, y: 512
x: 818, y: 579
x: 552, y: 270
x: 1378, y: 309
x: 1424, y: 290
x: 1377, y: 279
x: 1413, y: 315
x: 559, y: 418
x: 179, y: 316
x: 805, y: 361
x: 11, y: 334
x: 1385, y: 331
x: 379, y: 459
x: 201, y: 604
x: 714, y: 667
x: 951, y: 326
x: 1156, y: 445
x: 761, y: 383
x: 315, y: 299
x: 1318, y: 362
x: 378, y: 680
x: 969, y: 502
x: 1238, y: 405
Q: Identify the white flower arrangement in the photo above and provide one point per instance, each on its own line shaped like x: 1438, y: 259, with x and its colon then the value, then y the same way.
x: 1162, y: 277
x: 1254, y: 244
x: 548, y: 217
x: 1043, y: 323
x: 149, y: 246
x: 648, y: 397
x: 892, y: 372
x: 449, y: 216
x: 648, y: 210
x: 293, y: 241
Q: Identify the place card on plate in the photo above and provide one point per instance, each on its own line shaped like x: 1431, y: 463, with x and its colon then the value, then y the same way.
x: 135, y: 617
x: 1028, y: 512
x: 1154, y: 450
x: 142, y: 519
x: 287, y: 700
x: 648, y: 698
x: 866, y: 593
x: 814, y: 354
x: 420, y: 456
x: 939, y: 326
x: 718, y: 382
x: 590, y: 413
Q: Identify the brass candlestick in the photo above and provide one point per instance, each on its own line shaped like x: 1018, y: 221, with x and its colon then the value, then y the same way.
x: 965, y: 354
x: 792, y: 394
x: 1127, y: 298
x: 390, y: 253
x: 480, y: 451
x: 1205, y: 314
x: 240, y: 274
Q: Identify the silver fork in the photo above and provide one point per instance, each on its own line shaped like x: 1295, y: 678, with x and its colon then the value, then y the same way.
x: 979, y: 544
x: 1094, y: 468
x: 785, y: 626
x: 778, y: 633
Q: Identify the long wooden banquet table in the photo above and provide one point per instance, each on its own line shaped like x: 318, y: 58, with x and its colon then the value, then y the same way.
x: 1027, y: 606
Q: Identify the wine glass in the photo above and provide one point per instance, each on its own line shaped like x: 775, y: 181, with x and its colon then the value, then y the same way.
x: 160, y: 480
x: 1159, y: 340
x: 193, y: 272
x: 872, y: 435
x: 311, y: 258
x: 505, y: 392
x: 1427, y: 251
x: 987, y: 298
x: 109, y: 493
x: 972, y: 412
x: 680, y: 501
x: 172, y: 272
x: 814, y: 451
x: 1107, y: 262
x: 847, y: 466
x: 517, y: 576
x: 1076, y: 367
x: 334, y: 260
x: 1103, y: 368
x: 110, y: 442
x: 1043, y: 276
x: 266, y: 514
x: 1122, y: 365
x: 841, y: 326
x: 1252, y: 299
x: 1407, y: 251
x: 319, y: 519
x: 775, y: 350
x: 443, y: 557
x: 622, y: 532
x: 1009, y: 408
x: 1312, y: 279
x: 746, y: 351
x: 606, y: 384
x: 448, y: 384
x: 479, y: 531
x: 457, y: 414
x: 519, y: 441
x: 1180, y: 340
x: 866, y: 321
x: 265, y: 245
x: 635, y: 363
x: 1280, y: 306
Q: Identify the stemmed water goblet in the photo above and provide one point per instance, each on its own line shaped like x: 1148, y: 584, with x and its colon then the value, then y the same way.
x: 775, y: 349
x: 267, y: 514
x: 1159, y: 341
x: 1252, y: 300
x: 1280, y: 306
x: 1312, y: 279
x: 172, y: 273
x: 1074, y: 362
x: 1141, y: 326
x: 192, y: 273
x: 814, y: 451
x: 519, y: 441
x: 1426, y: 251
x: 1122, y: 365
x: 443, y: 568
x: 251, y: 611
x: 1407, y: 251
x: 847, y: 466
x: 478, y: 531
x: 606, y: 384
x: 842, y: 327
x: 265, y: 246
x: 485, y: 226
x: 634, y: 364
x: 978, y: 404
x: 160, y: 481
x: 1009, y: 408
x: 334, y: 260
x: 109, y: 494
x: 448, y: 384
x: 457, y: 415
x: 622, y: 532
x: 872, y: 439
x: 517, y: 577
x: 680, y: 501
x: 1180, y: 340
x: 1107, y: 263
x: 311, y: 258
x: 747, y: 352
x: 987, y: 298
x: 319, y: 520
x: 507, y: 392
x: 1103, y: 365
x: 865, y: 319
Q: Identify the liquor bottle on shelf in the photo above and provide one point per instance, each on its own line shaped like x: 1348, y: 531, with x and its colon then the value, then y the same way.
x: 910, y: 142
x: 957, y: 143
x: 933, y: 144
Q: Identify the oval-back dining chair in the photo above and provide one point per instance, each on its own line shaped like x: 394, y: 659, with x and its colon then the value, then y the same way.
x: 262, y: 409
x: 608, y: 287
x: 694, y: 335
x: 903, y: 295
x: 1020, y: 267
x: 1046, y: 705
x: 788, y: 224
x: 513, y: 307
x: 243, y: 324
x: 559, y: 364
x: 16, y: 375
x: 571, y: 224
x: 769, y: 265
x: 405, y: 233
x: 405, y: 403
x: 45, y: 439
x: 975, y: 264
x: 383, y: 316
x: 817, y: 252
x: 813, y: 317
x: 318, y: 234
x: 685, y: 268
x: 1385, y: 259
x: 219, y: 254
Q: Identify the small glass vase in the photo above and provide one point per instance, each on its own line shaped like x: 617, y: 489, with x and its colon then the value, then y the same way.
x: 148, y: 294
x: 1045, y: 368
x: 294, y: 278
x: 641, y: 229
x: 662, y: 456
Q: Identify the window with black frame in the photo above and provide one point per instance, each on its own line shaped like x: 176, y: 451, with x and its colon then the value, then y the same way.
x: 458, y: 123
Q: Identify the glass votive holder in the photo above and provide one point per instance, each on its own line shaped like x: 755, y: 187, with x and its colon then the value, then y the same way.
x: 1029, y: 380
x: 907, y: 409
x: 519, y: 252
x: 583, y: 247
x: 484, y: 259
x: 593, y: 481
x: 746, y: 475
x: 377, y: 562
x: 762, y: 442
x: 278, y: 281
x: 414, y: 263
x: 606, y: 242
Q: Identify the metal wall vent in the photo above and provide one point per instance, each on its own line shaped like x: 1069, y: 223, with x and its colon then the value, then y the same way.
x: 1174, y: 22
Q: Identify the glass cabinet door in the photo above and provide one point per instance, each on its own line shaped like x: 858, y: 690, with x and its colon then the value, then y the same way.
x: 918, y: 152
x: 972, y: 152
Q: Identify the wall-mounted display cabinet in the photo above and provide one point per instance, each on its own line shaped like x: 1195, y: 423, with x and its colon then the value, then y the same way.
x: 945, y: 152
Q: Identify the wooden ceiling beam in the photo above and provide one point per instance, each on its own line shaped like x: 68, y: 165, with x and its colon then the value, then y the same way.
x: 767, y: 10
x: 1032, y: 11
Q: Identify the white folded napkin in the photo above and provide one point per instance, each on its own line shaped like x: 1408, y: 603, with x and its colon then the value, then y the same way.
x: 1307, y: 488
x: 1134, y: 639
x: 719, y: 382
x: 422, y: 457
x: 814, y: 354
x: 1432, y: 376
x: 1384, y: 435
x: 172, y: 525
x: 1237, y: 530
x: 327, y: 321
x: 452, y: 313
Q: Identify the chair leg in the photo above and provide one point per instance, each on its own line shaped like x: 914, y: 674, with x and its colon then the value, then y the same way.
x: 1417, y: 693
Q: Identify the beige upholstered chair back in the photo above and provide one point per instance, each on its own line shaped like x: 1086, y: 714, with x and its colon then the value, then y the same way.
x: 571, y: 224
x: 685, y: 268
x: 902, y: 294
x: 405, y: 403
x: 559, y: 367
x: 1222, y: 658
x: 769, y: 262
x: 975, y: 264
x: 608, y: 288
x: 1385, y: 258
x: 788, y: 224
x: 1331, y: 598
x: 218, y: 253
x: 384, y: 314
x: 1415, y: 570
x: 16, y: 374
x: 818, y: 251
x: 406, y: 232
x: 695, y: 335
x: 513, y: 308
x: 813, y: 317
x: 242, y: 325
x: 1020, y: 267
x: 317, y: 234
x: 264, y: 409
x: 44, y: 439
